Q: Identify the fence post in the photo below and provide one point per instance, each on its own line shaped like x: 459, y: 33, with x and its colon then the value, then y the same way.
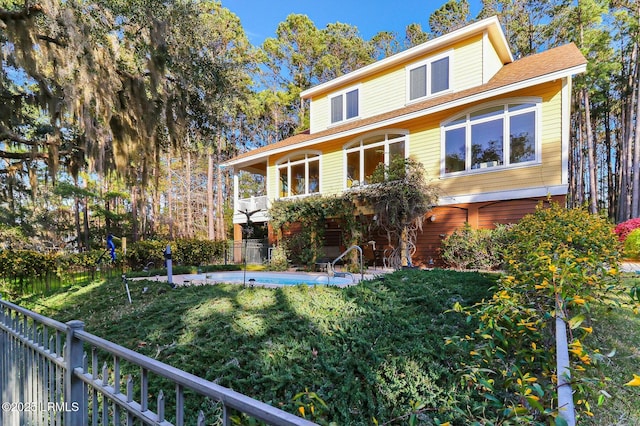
x: 73, y: 387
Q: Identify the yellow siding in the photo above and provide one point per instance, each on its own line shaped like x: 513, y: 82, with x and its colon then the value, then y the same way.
x: 386, y: 90
x: 466, y: 59
x: 491, y: 62
x: 384, y: 93
x: 424, y: 144
x: 319, y: 113
x: 548, y: 173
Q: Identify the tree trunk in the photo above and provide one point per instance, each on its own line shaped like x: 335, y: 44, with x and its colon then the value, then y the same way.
x: 169, y: 196
x: 635, y: 162
x: 591, y: 155
x: 579, y: 159
x: 134, y: 213
x: 189, y: 214
x: 76, y: 215
x: 210, y: 204
x: 624, y: 151
x: 220, y: 226
x: 85, y: 216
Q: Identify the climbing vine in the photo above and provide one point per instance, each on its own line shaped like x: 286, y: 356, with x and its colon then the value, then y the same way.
x: 311, y: 214
x: 399, y: 197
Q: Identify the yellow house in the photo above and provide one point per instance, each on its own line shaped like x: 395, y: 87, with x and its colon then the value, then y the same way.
x: 492, y: 132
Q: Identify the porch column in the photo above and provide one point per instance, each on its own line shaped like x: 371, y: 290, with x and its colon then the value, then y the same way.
x: 237, y: 243
x: 236, y: 190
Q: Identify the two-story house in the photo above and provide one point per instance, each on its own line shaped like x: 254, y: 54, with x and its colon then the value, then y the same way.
x: 492, y: 132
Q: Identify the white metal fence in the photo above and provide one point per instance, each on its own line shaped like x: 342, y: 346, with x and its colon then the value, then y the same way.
x: 47, y: 378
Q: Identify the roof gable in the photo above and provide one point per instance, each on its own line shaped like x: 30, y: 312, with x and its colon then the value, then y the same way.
x: 490, y: 25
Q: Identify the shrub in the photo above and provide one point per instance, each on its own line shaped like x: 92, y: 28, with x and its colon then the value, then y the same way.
x: 469, y: 248
x: 624, y: 228
x: 558, y: 260
x: 632, y: 245
x: 140, y: 253
x: 197, y: 252
x: 279, y: 261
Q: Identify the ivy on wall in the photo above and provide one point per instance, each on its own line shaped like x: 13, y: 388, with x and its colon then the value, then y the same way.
x: 398, y: 198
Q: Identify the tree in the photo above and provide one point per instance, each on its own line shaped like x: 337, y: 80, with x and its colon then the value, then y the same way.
x: 450, y: 16
x: 524, y: 22
x: 109, y: 86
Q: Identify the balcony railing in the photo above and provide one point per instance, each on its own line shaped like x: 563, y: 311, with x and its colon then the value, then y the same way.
x: 252, y: 203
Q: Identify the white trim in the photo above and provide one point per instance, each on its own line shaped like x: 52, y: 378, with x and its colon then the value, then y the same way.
x: 515, y: 194
x: 438, y: 108
x: 491, y: 25
x: 566, y: 124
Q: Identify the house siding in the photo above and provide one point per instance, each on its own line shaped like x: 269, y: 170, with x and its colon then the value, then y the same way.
x: 424, y: 144
x: 465, y: 60
x: 490, y: 60
x: 387, y: 90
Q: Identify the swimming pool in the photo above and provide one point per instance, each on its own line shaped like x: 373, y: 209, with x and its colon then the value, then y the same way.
x: 267, y: 279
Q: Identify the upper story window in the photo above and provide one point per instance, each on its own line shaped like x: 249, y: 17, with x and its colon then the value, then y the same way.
x: 501, y: 135
x: 429, y: 77
x: 366, y: 154
x: 345, y: 105
x: 299, y: 175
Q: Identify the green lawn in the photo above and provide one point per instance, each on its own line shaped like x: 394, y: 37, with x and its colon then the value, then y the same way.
x: 375, y: 350
x: 617, y: 330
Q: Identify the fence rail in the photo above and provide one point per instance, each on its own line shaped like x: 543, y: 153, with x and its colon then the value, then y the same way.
x: 47, y: 378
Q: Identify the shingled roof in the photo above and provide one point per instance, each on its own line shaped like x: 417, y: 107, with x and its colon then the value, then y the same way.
x: 534, y: 69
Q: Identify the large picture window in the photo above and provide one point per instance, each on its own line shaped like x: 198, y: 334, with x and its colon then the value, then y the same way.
x: 299, y: 175
x: 496, y: 136
x: 429, y: 78
x: 366, y: 154
x: 345, y: 106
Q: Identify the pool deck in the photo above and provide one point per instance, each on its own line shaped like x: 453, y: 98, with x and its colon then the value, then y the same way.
x: 187, y: 279
x: 630, y: 266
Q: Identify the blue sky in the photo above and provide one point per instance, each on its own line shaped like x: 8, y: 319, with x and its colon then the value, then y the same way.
x: 260, y: 18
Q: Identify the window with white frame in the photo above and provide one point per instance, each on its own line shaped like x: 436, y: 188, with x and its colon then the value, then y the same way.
x: 345, y: 105
x: 429, y: 77
x: 366, y: 154
x: 500, y: 135
x: 299, y: 175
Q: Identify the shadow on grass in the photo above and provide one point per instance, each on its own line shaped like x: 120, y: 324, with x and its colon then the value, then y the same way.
x: 369, y: 351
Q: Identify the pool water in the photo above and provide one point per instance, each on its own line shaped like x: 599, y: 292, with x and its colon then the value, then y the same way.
x: 269, y: 278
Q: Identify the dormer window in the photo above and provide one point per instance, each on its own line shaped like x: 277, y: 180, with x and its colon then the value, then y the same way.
x: 429, y: 77
x: 345, y: 106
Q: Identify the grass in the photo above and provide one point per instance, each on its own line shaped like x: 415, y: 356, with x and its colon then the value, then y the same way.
x: 617, y: 330
x: 371, y: 351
